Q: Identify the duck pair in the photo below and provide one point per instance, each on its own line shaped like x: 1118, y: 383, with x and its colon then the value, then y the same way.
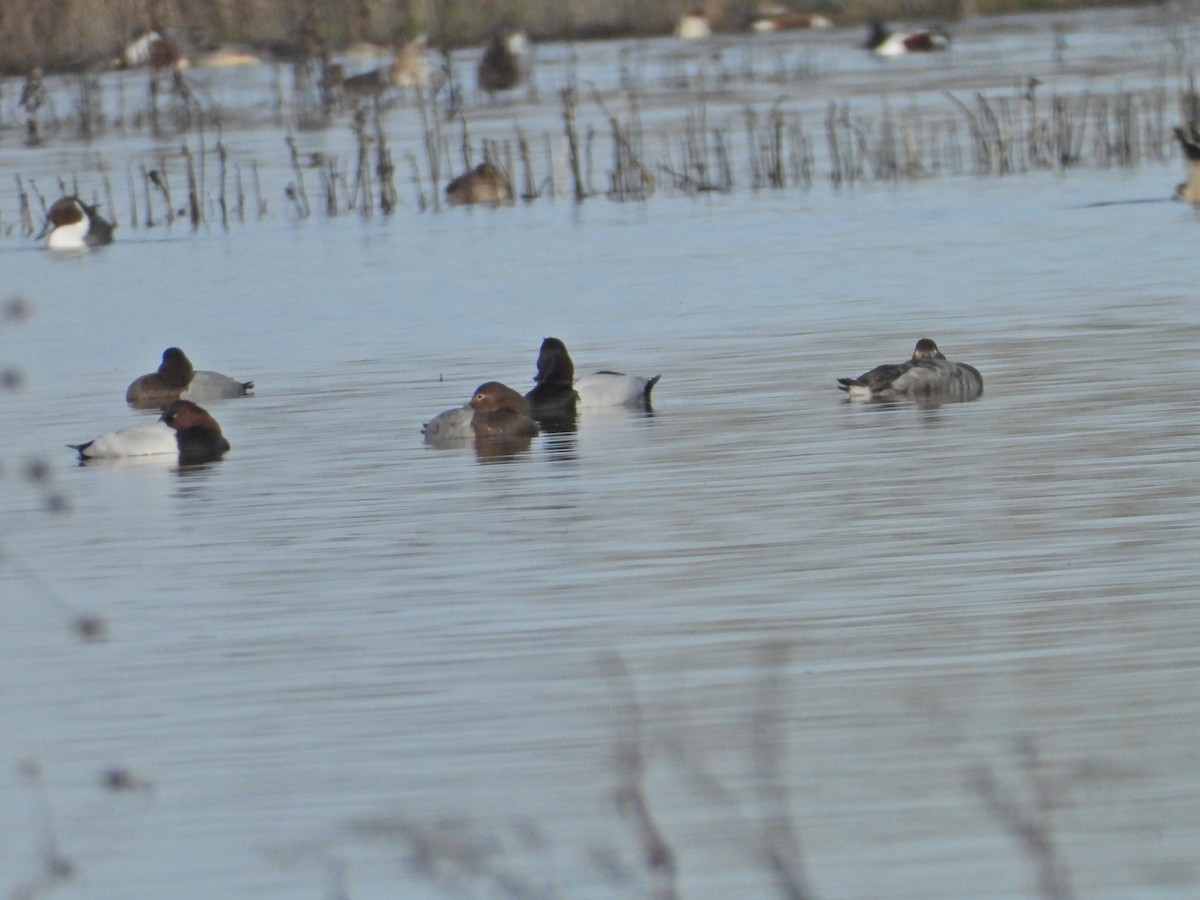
x: 185, y: 429
x: 496, y: 410
x: 928, y: 374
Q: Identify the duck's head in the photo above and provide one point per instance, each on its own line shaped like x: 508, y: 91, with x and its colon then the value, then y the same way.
x: 554, y: 363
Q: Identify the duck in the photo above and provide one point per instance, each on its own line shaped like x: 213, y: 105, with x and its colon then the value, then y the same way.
x: 72, y: 224
x: 500, y: 413
x: 556, y: 380
x: 553, y: 395
x: 693, y: 25
x: 495, y: 412
x: 185, y: 429
x: 153, y: 49
x: 898, y: 43
x: 1189, y: 140
x: 776, y: 18
x: 486, y: 183
x: 410, y: 68
x: 176, y: 379
x: 927, y: 374
x: 504, y: 64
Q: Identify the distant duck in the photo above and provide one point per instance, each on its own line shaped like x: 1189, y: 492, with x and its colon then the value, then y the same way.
x: 693, y: 26
x: 176, y: 379
x: 486, y: 183
x: 1189, y: 140
x: 228, y: 57
x: 153, y: 49
x: 556, y: 382
x: 73, y: 225
x: 776, y: 18
x: 927, y: 374
x: 410, y: 67
x: 185, y: 429
x: 495, y: 413
x: 897, y: 43
x: 505, y: 62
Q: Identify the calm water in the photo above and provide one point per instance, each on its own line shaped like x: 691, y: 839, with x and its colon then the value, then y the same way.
x: 343, y: 663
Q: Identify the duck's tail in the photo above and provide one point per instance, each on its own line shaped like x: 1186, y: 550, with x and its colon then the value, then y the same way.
x: 650, y: 383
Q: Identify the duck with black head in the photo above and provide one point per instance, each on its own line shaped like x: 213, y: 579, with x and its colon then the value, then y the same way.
x: 505, y: 62
x: 1189, y: 141
x: 553, y: 397
x: 604, y: 388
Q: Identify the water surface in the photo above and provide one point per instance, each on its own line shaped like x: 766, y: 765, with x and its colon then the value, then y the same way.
x: 872, y: 636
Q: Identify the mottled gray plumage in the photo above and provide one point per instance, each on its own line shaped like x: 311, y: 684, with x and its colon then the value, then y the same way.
x: 927, y: 374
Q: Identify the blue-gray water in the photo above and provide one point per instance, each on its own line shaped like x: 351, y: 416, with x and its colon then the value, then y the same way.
x: 343, y: 661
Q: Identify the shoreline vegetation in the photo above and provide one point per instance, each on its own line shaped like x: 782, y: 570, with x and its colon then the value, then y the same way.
x: 58, y: 37
x: 603, y: 146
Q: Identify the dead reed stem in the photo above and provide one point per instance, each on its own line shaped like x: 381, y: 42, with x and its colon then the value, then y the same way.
x: 570, y: 100
x: 194, y: 212
x: 1028, y: 823
x: 631, y: 796
x: 296, y: 191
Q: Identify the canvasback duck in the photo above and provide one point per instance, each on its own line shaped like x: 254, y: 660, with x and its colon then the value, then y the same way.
x: 555, y: 372
x: 693, y: 26
x: 1189, y: 141
x: 176, y: 379
x: 73, y: 225
x: 927, y: 374
x: 776, y: 18
x: 185, y: 429
x: 495, y: 413
x: 505, y: 62
x: 897, y: 43
x: 486, y: 183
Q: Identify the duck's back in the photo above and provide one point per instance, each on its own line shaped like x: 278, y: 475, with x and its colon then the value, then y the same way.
x: 614, y: 389
x: 209, y: 386
x: 140, y: 440
x: 952, y: 380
